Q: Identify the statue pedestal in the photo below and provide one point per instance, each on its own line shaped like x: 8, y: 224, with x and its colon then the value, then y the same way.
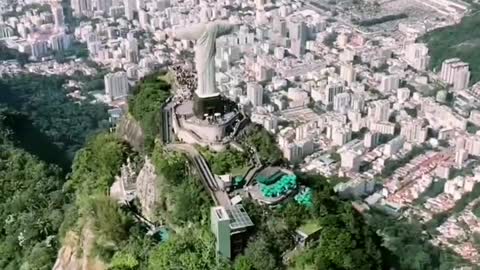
x: 211, y: 105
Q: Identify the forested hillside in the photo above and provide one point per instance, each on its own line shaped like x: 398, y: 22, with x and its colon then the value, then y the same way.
x: 40, y: 131
x: 32, y: 206
x: 47, y: 122
x: 461, y: 40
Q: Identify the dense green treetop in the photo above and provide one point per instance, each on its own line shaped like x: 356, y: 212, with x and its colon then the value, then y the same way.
x: 226, y: 161
x: 264, y: 143
x: 146, y: 105
x: 31, y: 208
x: 95, y: 166
x: 48, y: 116
x: 193, y: 249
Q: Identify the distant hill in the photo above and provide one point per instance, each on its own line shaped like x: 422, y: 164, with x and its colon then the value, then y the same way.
x: 461, y: 40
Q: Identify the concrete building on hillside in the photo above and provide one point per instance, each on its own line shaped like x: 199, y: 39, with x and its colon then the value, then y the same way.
x: 116, y: 85
x: 456, y: 73
x: 229, y: 226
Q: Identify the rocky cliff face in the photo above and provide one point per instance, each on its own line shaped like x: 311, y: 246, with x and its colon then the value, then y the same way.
x: 146, y: 188
x: 129, y: 129
x: 75, y: 252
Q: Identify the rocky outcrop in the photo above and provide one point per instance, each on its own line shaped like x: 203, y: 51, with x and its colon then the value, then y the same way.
x: 147, y: 189
x: 131, y: 131
x: 75, y: 252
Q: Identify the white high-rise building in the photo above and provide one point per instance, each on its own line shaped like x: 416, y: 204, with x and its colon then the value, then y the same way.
x: 58, y: 17
x: 414, y: 131
x: 403, y: 94
x: 379, y: 110
x: 103, y: 5
x: 350, y: 160
x: 331, y: 90
x: 456, y: 73
x: 6, y: 31
x: 416, y: 55
x: 347, y: 55
x: 81, y: 7
x: 131, y: 50
x: 341, y: 135
x: 280, y: 26
x: 144, y: 19
x: 371, y: 139
x: 140, y: 4
x: 347, y: 73
x: 341, y: 102
x: 255, y: 93
x: 39, y: 48
x: 461, y: 155
x: 357, y: 102
x: 116, y: 85
x: 130, y: 8
x: 60, y: 42
x: 260, y: 4
x: 393, y: 146
x: 389, y: 83
x: 297, y: 30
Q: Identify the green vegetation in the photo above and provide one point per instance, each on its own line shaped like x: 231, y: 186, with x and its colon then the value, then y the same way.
x: 381, y: 20
x: 12, y: 54
x: 38, y: 208
x: 48, y: 123
x: 330, y: 39
x: 193, y: 250
x: 118, y: 240
x: 95, y: 166
x: 472, y: 128
x: 265, y: 145
x: 411, y: 245
x: 461, y: 40
x: 228, y: 161
x: 31, y: 208
x: 345, y: 233
x: 476, y: 210
x: 76, y: 51
x: 305, y: 197
x: 411, y: 111
x: 182, y: 199
x: 459, y: 206
x: 146, y: 106
x: 433, y: 191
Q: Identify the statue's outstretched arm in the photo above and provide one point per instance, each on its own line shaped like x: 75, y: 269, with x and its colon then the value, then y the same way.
x: 190, y: 32
x: 225, y: 28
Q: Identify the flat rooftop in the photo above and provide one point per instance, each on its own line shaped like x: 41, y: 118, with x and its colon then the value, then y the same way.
x: 308, y: 228
x: 239, y: 218
x: 302, y: 115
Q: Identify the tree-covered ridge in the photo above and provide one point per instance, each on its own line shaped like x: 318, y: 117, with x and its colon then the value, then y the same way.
x: 265, y: 145
x: 461, y: 40
x: 192, y: 249
x: 96, y: 165
x: 116, y: 234
x: 228, y: 161
x: 12, y: 54
x: 182, y: 200
x: 411, y: 246
x: 31, y: 208
x: 346, y: 241
x: 47, y: 116
x: 149, y: 97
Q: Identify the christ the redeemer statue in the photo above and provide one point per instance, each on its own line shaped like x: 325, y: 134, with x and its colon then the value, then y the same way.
x: 205, y: 35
